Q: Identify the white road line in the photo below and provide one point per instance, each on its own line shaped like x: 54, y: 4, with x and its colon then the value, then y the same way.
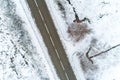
x: 64, y: 70
x: 34, y: 31
x: 47, y: 29
x: 62, y: 65
x: 39, y: 10
x: 51, y: 40
x: 67, y: 76
x: 57, y: 53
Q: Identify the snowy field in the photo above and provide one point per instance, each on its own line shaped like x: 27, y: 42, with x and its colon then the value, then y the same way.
x: 21, y: 54
x: 93, y: 55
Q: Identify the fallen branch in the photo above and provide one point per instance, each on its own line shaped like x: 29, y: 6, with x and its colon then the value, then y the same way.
x: 87, y: 55
x: 104, y: 51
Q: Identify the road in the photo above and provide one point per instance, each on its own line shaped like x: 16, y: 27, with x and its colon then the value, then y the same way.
x: 52, y: 41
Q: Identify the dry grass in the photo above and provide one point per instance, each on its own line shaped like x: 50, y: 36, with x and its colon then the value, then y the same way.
x: 77, y: 31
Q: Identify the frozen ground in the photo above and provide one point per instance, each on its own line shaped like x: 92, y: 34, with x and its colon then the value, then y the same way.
x: 21, y: 56
x: 104, y: 39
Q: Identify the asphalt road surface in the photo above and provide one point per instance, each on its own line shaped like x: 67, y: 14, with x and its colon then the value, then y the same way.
x: 52, y: 41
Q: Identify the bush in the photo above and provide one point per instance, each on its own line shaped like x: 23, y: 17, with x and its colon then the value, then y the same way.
x: 77, y: 31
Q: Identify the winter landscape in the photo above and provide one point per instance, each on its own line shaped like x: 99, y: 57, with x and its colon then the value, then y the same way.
x: 88, y: 30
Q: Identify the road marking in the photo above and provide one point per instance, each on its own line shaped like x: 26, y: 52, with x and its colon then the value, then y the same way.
x: 34, y: 31
x: 67, y: 76
x: 47, y: 29
x: 62, y: 65
x: 64, y: 70
x: 39, y: 10
x: 51, y: 40
x: 49, y: 34
x: 57, y: 53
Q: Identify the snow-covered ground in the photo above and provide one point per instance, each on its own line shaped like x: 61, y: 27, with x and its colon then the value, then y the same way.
x: 104, y: 21
x: 23, y: 55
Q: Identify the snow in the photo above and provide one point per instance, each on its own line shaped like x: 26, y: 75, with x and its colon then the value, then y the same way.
x: 104, y: 22
x: 24, y: 56
x: 21, y: 51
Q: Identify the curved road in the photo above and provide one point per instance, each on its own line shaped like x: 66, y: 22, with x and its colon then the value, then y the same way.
x: 52, y: 41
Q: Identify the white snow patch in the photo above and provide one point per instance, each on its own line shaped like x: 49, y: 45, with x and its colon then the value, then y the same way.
x: 105, y: 20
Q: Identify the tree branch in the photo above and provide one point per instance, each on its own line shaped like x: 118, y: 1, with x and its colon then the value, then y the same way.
x: 87, y: 55
x: 104, y: 51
